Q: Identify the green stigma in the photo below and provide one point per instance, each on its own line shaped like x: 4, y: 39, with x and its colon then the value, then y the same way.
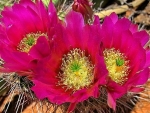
x: 76, y: 70
x: 75, y: 67
x: 30, y: 41
x: 119, y: 62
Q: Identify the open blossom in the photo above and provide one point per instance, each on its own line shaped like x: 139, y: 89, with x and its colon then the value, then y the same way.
x: 125, y: 57
x: 74, y: 71
x: 84, y: 7
x: 24, y: 33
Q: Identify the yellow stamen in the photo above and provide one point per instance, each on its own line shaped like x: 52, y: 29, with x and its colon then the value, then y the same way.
x: 28, y: 41
x: 76, y: 70
x: 117, y: 65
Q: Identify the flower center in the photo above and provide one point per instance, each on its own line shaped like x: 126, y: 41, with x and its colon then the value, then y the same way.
x: 28, y: 41
x: 76, y: 70
x: 117, y: 65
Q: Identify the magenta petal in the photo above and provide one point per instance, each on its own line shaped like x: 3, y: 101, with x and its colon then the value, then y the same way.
x: 115, y: 91
x: 41, y: 49
x: 60, y: 40
x: 14, y: 37
x: 136, y: 89
x: 122, y: 25
x: 29, y: 14
x: 119, y: 28
x: 133, y: 47
x: 51, y: 8
x: 71, y: 107
x: 49, y: 75
x: 130, y: 46
x: 96, y: 20
x: 111, y: 101
x: 126, y: 41
x: 9, y: 18
x: 43, y: 13
x: 84, y: 94
x: 52, y: 14
x: 4, y: 70
x: 43, y: 90
x: 39, y: 89
x: 142, y: 77
x: 85, y: 37
x: 100, y: 70
x: 25, y: 17
x: 119, y: 90
x: 74, y: 27
x: 4, y: 39
x: 133, y: 28
x: 147, y: 58
x: 107, y: 30
x: 113, y: 17
x: 29, y: 3
x: 139, y: 78
x: 94, y: 91
x: 15, y: 60
x: 142, y: 36
x: 93, y: 39
x: 41, y: 26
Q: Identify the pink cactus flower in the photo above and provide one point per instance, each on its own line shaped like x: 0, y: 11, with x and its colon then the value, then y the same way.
x: 24, y: 35
x: 125, y: 57
x: 74, y: 71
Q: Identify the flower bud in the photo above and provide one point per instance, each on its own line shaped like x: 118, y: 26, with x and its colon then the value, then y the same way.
x: 84, y: 7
